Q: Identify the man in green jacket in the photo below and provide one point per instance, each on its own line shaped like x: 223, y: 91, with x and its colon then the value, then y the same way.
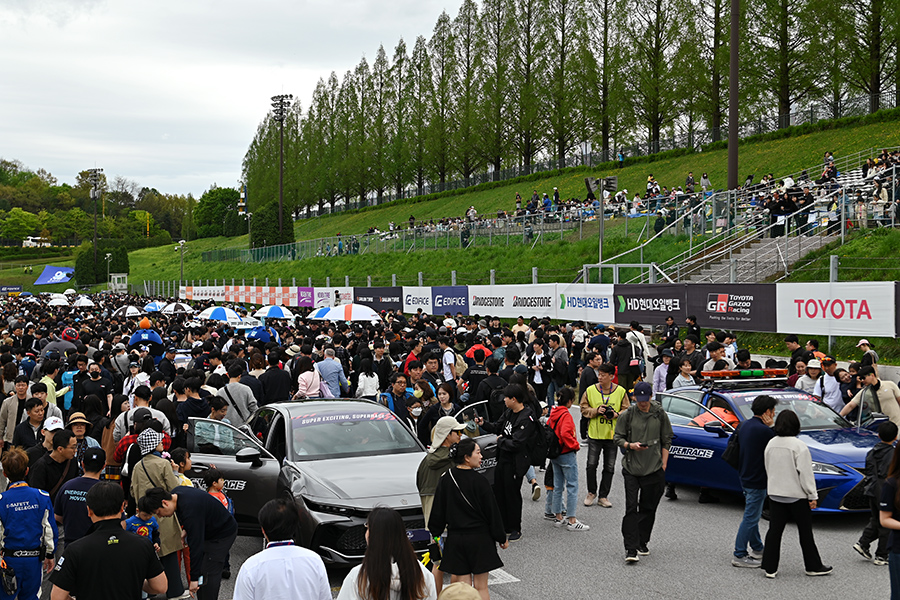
x: 645, y: 433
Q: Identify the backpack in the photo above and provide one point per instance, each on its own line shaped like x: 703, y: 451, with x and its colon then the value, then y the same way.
x: 461, y: 365
x: 554, y: 448
x: 732, y: 453
x: 496, y: 404
x: 538, y: 445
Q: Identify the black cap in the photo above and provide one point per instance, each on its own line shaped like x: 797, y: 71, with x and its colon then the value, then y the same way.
x: 141, y: 414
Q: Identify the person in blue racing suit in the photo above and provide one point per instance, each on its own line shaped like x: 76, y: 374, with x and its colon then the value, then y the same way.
x: 28, y: 533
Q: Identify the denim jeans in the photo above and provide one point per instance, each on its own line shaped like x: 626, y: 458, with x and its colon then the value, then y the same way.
x: 610, y: 452
x: 748, y: 532
x: 565, y: 474
x: 894, y: 568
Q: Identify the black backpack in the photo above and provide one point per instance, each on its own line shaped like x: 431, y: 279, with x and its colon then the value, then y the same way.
x: 538, y: 445
x: 554, y: 448
x: 496, y: 404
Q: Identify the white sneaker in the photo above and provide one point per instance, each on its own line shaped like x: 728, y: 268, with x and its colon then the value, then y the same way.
x: 577, y: 526
x: 589, y: 499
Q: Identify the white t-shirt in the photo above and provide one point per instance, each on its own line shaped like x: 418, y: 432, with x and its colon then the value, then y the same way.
x: 448, y: 360
x: 283, y: 573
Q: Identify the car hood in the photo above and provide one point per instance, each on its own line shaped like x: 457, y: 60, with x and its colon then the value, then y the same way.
x: 839, y: 445
x: 362, y: 478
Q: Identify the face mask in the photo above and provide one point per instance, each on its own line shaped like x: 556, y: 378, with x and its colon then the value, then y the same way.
x: 95, y: 375
x: 416, y: 412
x: 418, y: 394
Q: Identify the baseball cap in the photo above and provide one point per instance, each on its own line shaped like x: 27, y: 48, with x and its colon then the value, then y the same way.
x: 171, y: 350
x: 863, y: 342
x: 642, y: 391
x: 54, y: 424
x: 93, y: 455
x: 141, y: 414
x: 442, y: 429
x: 667, y: 352
x: 119, y: 346
x: 829, y: 360
x: 814, y: 364
x: 134, y: 364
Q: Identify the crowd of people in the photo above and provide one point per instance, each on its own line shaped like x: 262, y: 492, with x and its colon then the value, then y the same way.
x: 94, y: 423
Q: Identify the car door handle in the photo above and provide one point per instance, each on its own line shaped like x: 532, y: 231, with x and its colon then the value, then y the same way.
x: 674, y: 437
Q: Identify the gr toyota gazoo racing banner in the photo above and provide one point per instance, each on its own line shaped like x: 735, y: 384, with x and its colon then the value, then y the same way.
x: 733, y: 306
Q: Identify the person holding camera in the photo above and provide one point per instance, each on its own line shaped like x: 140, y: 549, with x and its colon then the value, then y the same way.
x: 602, y: 403
x: 644, y: 432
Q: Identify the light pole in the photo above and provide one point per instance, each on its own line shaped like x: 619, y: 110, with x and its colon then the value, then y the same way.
x: 280, y: 105
x: 108, y: 259
x: 181, y: 248
x: 95, y: 176
x: 249, y: 216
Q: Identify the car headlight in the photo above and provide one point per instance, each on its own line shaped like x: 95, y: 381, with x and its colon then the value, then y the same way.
x: 331, y: 509
x: 827, y: 469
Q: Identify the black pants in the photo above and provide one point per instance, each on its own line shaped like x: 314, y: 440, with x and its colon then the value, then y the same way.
x: 173, y: 574
x: 609, y: 451
x: 779, y: 512
x: 508, y: 492
x: 214, y: 554
x: 583, y: 427
x: 642, y: 495
x: 540, y: 390
x: 874, y: 531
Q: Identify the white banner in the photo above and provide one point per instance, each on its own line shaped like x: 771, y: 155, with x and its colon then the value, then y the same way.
x: 415, y: 298
x: 206, y: 292
x: 332, y: 296
x: 592, y: 303
x: 514, y: 300
x: 250, y: 294
x: 851, y: 308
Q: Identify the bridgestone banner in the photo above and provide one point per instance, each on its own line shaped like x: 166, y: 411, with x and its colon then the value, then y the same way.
x: 745, y: 307
x: 650, y: 304
x: 513, y: 300
x: 856, y: 309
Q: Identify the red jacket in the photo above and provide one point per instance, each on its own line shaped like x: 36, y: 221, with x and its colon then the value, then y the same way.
x: 563, y: 425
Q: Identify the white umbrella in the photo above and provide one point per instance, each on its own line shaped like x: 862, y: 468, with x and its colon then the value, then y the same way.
x: 346, y: 312
x: 70, y: 291
x: 273, y: 311
x: 177, y: 308
x: 83, y: 301
x: 58, y: 296
x: 58, y: 302
x: 127, y: 312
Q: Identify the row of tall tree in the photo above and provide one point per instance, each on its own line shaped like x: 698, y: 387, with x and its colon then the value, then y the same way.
x: 511, y: 82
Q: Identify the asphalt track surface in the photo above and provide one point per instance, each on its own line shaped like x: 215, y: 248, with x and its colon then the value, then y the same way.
x: 690, y: 556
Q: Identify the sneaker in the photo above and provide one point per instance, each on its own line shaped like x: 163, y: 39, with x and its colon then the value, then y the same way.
x: 747, y: 562
x: 226, y: 574
x: 880, y: 561
x: 631, y: 556
x: 823, y: 570
x: 515, y: 535
x: 707, y: 498
x: 577, y: 526
x: 643, y: 550
x: 559, y: 523
x: 535, y: 492
x: 864, y: 552
x: 550, y: 516
x: 604, y: 503
x: 757, y: 554
x: 670, y: 493
x: 589, y: 499
x: 771, y: 575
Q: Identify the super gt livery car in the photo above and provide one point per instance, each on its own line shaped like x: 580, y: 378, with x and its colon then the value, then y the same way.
x: 336, y: 459
x: 704, y: 418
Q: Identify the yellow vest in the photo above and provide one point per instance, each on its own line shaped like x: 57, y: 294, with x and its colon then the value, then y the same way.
x: 601, y: 428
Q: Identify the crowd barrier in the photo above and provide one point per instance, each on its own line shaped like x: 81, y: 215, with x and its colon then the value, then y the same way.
x: 843, y: 308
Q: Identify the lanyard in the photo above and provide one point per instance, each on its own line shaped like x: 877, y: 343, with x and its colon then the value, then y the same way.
x: 17, y: 484
x: 284, y: 543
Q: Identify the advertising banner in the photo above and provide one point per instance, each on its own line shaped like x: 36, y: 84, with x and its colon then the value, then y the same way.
x: 856, y: 309
x: 741, y: 306
x: 332, y: 296
x: 591, y: 303
x: 262, y: 295
x: 11, y: 289
x: 450, y: 299
x: 415, y: 297
x: 306, y: 297
x: 51, y: 275
x: 650, y: 304
x: 379, y: 298
x: 513, y: 300
x: 215, y: 293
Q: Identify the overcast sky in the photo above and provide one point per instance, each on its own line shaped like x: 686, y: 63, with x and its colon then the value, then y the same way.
x: 169, y: 93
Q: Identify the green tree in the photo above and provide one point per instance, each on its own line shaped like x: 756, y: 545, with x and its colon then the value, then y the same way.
x: 264, y: 227
x: 19, y: 224
x: 442, y: 50
x: 382, y: 100
x: 419, y: 91
x: 497, y: 39
x: 467, y: 136
x: 214, y: 204
x: 528, y: 81
x: 398, y: 172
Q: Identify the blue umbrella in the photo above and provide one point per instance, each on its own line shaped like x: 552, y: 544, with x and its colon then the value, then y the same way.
x: 154, y: 306
x: 319, y: 313
x: 25, y: 294
x: 273, y: 312
x: 145, y: 336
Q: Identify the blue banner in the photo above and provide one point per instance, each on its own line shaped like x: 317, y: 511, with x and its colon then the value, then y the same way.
x: 7, y: 289
x: 53, y: 275
x: 452, y: 299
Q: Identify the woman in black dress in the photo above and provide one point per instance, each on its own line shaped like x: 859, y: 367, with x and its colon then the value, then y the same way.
x: 464, y: 504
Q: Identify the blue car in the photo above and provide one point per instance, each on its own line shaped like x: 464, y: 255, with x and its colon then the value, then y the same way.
x: 703, y: 419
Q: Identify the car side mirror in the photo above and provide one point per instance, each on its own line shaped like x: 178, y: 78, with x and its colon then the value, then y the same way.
x: 715, y: 428
x: 249, y: 455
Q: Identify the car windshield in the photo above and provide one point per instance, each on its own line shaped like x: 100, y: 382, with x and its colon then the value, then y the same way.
x: 318, y: 435
x: 812, y: 413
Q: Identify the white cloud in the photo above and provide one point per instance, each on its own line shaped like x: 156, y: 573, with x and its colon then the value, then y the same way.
x: 169, y: 93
